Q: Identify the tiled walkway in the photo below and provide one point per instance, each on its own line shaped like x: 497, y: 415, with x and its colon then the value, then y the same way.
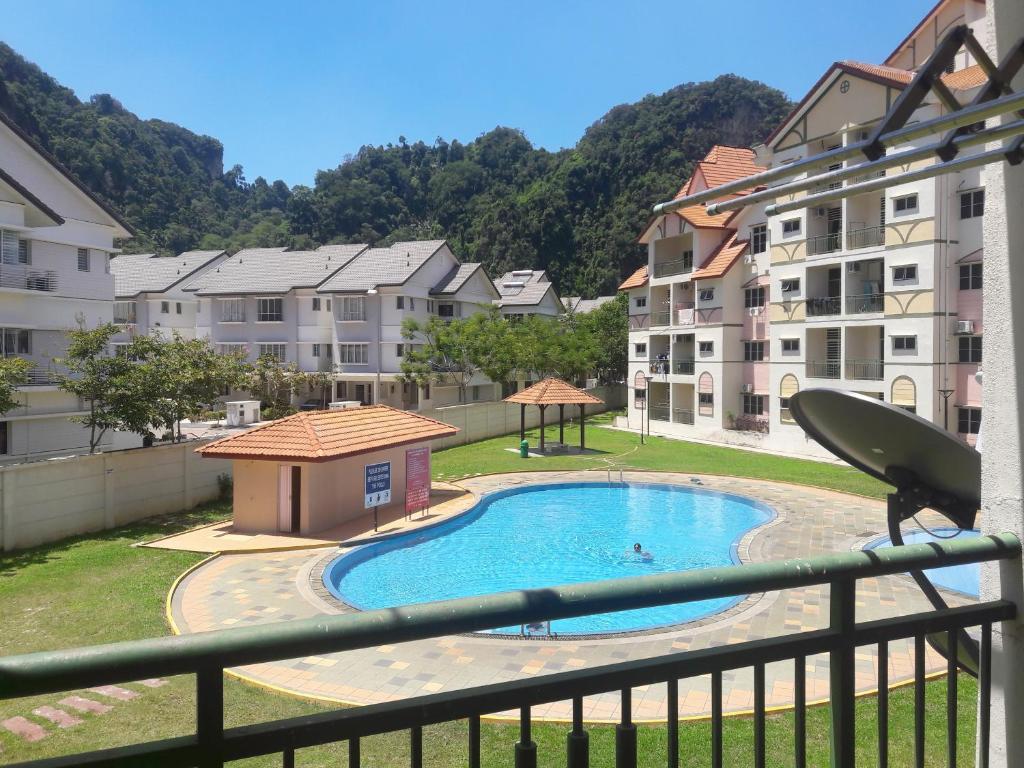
x: 247, y: 589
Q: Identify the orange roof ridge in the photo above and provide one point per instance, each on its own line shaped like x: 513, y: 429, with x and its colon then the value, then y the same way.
x: 636, y: 280
x: 722, y: 258
x: 552, y: 391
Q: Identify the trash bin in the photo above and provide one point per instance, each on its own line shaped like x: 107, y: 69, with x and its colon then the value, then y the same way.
x: 524, y: 449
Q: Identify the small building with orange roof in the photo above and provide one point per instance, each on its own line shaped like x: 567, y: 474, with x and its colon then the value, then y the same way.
x: 314, y: 470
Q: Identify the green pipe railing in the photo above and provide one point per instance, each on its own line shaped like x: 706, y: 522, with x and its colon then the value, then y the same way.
x: 207, y: 654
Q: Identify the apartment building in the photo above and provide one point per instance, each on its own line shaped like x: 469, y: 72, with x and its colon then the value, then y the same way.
x: 374, y: 294
x: 527, y: 292
x: 877, y: 293
x: 150, y: 295
x: 56, y: 239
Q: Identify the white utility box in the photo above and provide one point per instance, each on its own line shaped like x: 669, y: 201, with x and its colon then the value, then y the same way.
x: 242, y: 412
x: 342, y: 405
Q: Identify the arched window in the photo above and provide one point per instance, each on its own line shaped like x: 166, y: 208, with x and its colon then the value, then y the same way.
x: 904, y: 393
x: 706, y: 395
x: 787, y: 389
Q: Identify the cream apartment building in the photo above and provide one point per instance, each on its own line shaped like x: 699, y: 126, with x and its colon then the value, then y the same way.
x: 878, y: 293
x: 56, y: 240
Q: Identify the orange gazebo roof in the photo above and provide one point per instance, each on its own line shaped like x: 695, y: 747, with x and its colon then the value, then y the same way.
x: 553, y: 391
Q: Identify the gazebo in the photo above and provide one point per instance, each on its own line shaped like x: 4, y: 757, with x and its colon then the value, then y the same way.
x: 553, y: 391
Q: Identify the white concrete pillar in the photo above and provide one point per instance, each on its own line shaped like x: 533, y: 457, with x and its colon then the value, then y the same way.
x: 1003, y: 416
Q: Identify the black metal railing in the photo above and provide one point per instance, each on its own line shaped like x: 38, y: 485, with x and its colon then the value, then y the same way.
x: 682, y: 416
x: 207, y: 654
x: 865, y: 370
x: 822, y: 306
x: 684, y: 367
x: 829, y: 369
x: 659, y: 367
x: 659, y: 412
x: 674, y: 267
x: 27, y: 279
x: 865, y: 303
x: 868, y: 237
x: 829, y: 243
x: 661, y: 318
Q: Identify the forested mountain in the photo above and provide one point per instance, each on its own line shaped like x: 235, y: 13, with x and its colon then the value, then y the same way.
x: 498, y: 199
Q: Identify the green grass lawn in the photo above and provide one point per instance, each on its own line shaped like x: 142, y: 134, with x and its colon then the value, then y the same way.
x: 99, y: 588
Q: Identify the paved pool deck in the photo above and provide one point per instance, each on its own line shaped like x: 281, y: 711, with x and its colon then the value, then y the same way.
x: 246, y: 589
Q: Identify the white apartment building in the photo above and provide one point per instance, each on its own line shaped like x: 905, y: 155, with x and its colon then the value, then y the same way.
x: 374, y: 294
x: 150, y: 295
x: 878, y: 293
x: 56, y: 239
x: 527, y: 292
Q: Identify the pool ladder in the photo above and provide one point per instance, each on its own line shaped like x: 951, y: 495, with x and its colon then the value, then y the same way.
x: 621, y: 480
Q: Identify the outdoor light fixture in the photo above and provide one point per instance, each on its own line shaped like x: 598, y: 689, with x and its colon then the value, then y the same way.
x: 929, y: 468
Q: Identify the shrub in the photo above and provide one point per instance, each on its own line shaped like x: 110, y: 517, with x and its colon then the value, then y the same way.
x: 225, y: 485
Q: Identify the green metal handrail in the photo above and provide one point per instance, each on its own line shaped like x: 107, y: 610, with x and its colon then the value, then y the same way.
x: 207, y: 654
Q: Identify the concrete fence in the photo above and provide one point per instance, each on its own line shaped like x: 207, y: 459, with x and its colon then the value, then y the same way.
x: 50, y: 500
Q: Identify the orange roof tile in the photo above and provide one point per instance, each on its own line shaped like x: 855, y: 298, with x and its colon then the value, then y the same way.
x: 637, y: 280
x: 895, y: 75
x: 551, y: 391
x: 722, y: 165
x: 965, y: 79
x: 721, y: 259
x: 697, y: 216
x: 326, y: 435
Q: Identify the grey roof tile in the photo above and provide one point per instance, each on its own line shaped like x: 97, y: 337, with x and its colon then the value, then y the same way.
x: 455, y: 279
x: 581, y: 305
x: 147, y: 273
x: 273, y: 270
x: 523, y: 287
x: 382, y: 266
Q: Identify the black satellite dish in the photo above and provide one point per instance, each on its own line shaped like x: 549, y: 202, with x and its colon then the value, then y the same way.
x: 928, y: 467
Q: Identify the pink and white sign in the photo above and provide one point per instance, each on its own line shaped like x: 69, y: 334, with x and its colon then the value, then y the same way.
x: 417, y: 479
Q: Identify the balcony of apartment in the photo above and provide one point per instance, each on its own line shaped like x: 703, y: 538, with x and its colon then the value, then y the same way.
x: 864, y: 359
x: 683, y: 354
x: 24, y: 278
x: 672, y: 256
x: 683, y: 399
x: 658, y: 356
x: 864, y: 287
x: 824, y: 230
x: 824, y: 353
x: 865, y: 227
x: 660, y: 302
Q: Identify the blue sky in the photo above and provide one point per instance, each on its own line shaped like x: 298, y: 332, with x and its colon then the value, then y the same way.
x: 290, y: 88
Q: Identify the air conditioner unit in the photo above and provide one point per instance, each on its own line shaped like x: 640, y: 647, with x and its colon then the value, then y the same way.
x: 755, y: 311
x: 853, y: 266
x: 747, y: 389
x: 964, y: 327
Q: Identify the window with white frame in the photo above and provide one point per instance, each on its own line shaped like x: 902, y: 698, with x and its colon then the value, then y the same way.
x: 905, y: 203
x: 706, y: 294
x: 316, y: 303
x: 124, y: 312
x: 970, y: 349
x: 640, y: 350
x: 399, y: 302
x: 754, y: 405
x: 15, y: 341
x: 430, y: 306
x: 972, y: 204
x: 177, y: 307
x: 791, y: 227
x: 25, y: 252
x: 277, y: 351
x: 316, y: 350
x: 232, y: 348
x: 447, y: 309
x: 753, y: 297
x: 353, y: 308
x: 791, y: 345
x: 165, y: 307
x: 759, y: 238
x: 903, y: 273
x: 399, y: 350
x: 83, y: 259
x: 968, y: 420
x: 232, y: 310
x: 13, y: 250
x: 269, y: 309
x: 753, y: 351
x: 904, y: 343
x: 970, y: 277
x: 706, y: 347
x: 641, y: 302
x: 791, y: 285
x: 706, y: 403
x: 5, y: 440
x: 353, y: 354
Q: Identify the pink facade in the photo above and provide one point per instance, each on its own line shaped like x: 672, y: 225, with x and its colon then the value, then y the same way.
x: 711, y: 316
x: 968, y: 307
x: 755, y: 327
x: 639, y: 322
x: 758, y: 375
x: 968, y: 390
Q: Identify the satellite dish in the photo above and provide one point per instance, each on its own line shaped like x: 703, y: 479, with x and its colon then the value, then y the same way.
x: 928, y: 467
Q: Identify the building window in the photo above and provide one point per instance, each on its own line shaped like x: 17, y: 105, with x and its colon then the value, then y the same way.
x: 791, y: 345
x: 399, y: 350
x: 791, y: 227
x: 5, y: 439
x: 177, y: 307
x: 706, y: 347
x: 11, y: 248
x: 968, y: 421
x: 706, y: 294
x: 430, y: 306
x: 640, y: 350
x: 232, y: 348
x: 83, y: 259
x: 447, y: 310
x: 908, y: 272
x: 706, y: 403
x: 399, y: 302
x: 970, y: 277
x: 904, y: 204
x: 269, y: 310
x: 970, y: 349
x: 316, y: 350
x: 412, y: 302
x: 327, y: 305
x: 758, y: 238
x: 641, y: 302
x: 232, y: 310
x: 124, y: 312
x: 753, y: 405
x: 353, y: 308
x: 753, y: 297
x: 792, y: 285
x: 353, y: 354
x: 165, y: 307
x: 277, y: 351
x: 784, y: 413
x: 15, y: 341
x: 514, y: 317
x: 316, y: 303
x: 904, y: 343
x: 972, y: 204
x: 639, y: 397
x: 476, y: 391
x: 753, y: 351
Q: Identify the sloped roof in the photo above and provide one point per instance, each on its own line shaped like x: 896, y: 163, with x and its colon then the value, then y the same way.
x: 272, y: 270
x: 965, y: 79
x: 721, y: 259
x: 148, y: 273
x: 30, y: 198
x: 581, y: 306
x: 316, y: 436
x: 375, y: 267
x: 551, y: 391
x: 697, y: 216
x: 637, y: 280
x: 455, y: 279
x: 920, y: 25
x: 519, y: 289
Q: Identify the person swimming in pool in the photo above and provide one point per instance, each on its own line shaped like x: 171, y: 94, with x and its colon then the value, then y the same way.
x: 639, y: 550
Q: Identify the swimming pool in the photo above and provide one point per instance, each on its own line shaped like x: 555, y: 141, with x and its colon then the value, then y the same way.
x: 548, y: 535
x: 965, y: 579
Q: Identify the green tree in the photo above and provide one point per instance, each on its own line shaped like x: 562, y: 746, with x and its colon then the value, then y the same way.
x: 274, y: 383
x: 609, y: 325
x: 13, y: 374
x: 445, y: 351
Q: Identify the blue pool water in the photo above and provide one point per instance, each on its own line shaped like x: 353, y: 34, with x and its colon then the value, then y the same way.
x: 549, y: 535
x: 959, y: 578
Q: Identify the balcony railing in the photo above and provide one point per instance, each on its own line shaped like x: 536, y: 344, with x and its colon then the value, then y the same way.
x: 207, y: 654
x: 675, y: 267
x: 829, y: 243
x: 659, y: 412
x: 682, y: 416
x: 865, y: 370
x: 660, y: 367
x: 829, y: 369
x: 823, y: 306
x: 685, y: 313
x: 26, y: 278
x: 865, y: 303
x: 867, y: 176
x: 684, y: 367
x: 661, y: 318
x: 868, y: 237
